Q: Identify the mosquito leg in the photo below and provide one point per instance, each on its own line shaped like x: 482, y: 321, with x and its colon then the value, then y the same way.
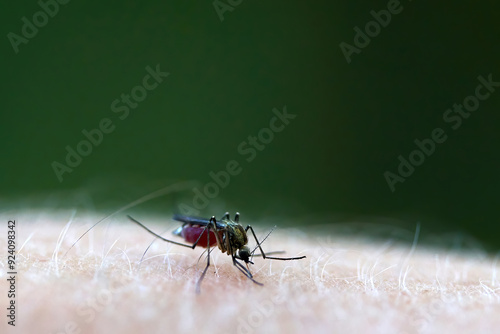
x: 198, y: 284
x: 270, y: 253
x: 262, y: 241
x: 210, y: 225
x: 159, y: 236
x: 264, y: 254
x: 237, y: 217
x: 167, y: 240
x: 226, y: 216
x: 229, y: 250
x: 242, y: 268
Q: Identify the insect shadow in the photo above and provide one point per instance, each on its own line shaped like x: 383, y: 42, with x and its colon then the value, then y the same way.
x: 229, y: 236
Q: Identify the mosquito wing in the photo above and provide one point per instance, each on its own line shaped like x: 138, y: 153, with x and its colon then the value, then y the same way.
x: 195, y: 221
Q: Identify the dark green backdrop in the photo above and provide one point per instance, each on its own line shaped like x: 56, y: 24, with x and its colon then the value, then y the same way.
x: 352, y: 121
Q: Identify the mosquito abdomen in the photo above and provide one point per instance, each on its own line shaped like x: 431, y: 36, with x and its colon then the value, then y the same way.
x: 192, y: 233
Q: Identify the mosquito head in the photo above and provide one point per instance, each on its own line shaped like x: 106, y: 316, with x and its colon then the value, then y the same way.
x: 244, y: 254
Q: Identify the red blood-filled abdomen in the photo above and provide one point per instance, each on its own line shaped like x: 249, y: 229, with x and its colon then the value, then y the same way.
x: 192, y: 233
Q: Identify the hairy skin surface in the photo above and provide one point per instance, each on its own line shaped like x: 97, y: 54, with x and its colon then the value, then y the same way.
x: 343, y: 286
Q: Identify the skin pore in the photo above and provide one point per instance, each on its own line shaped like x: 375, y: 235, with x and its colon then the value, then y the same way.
x: 345, y: 285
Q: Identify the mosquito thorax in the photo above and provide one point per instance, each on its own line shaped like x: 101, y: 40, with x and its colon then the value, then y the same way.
x: 237, y: 235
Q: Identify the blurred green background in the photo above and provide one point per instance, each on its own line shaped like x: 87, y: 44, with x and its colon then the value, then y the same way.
x: 352, y: 121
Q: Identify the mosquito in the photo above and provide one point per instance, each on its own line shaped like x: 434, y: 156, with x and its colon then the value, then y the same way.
x: 229, y: 236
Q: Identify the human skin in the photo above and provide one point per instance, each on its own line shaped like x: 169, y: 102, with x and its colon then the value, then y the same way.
x: 345, y: 285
